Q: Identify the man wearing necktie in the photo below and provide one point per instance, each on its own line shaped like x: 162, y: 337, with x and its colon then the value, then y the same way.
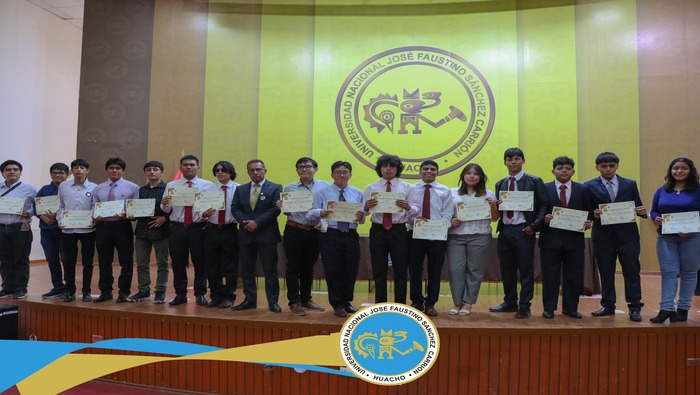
x: 254, y: 207
x: 435, y: 201
x: 186, y: 235
x: 388, y: 234
x: 616, y: 241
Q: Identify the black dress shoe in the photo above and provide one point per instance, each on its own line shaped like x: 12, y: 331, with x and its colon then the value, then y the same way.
x: 636, y: 316
x: 350, y: 308
x: 523, y: 313
x: 179, y: 299
x: 201, y: 300
x: 418, y: 306
x: 430, y: 311
x: 275, y: 308
x: 572, y: 314
x: 225, y: 304
x: 340, y: 312
x: 548, y: 314
x: 122, y: 298
x: 215, y: 302
x: 603, y: 311
x: 504, y: 308
x: 103, y: 298
x: 245, y: 305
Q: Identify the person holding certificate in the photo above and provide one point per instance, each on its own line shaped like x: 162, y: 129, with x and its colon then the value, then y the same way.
x: 301, y: 238
x: 340, y: 244
x: 677, y: 252
x: 516, y: 233
x: 469, y: 237
x: 50, y: 233
x: 562, y: 250
x: 388, y: 201
x: 15, y: 230
x: 114, y: 231
x: 435, y: 201
x: 221, y: 240
x: 618, y: 240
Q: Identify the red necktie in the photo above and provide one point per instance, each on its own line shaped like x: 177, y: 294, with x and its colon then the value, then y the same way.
x: 562, y: 195
x: 426, y: 202
x: 188, y: 209
x: 222, y: 213
x: 386, y: 218
x: 511, y: 187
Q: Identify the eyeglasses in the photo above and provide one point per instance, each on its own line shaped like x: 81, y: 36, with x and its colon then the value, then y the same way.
x: 305, y: 167
x: 220, y: 170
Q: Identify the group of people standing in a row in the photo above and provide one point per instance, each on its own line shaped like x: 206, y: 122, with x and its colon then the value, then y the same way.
x: 221, y: 244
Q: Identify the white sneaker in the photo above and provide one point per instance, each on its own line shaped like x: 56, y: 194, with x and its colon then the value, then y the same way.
x: 466, y: 309
x: 454, y: 310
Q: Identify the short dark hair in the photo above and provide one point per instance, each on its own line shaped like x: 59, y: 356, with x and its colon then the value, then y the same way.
x: 59, y: 166
x: 189, y: 157
x: 339, y: 163
x: 480, y: 188
x: 80, y: 162
x: 115, y: 161
x: 153, y: 163
x: 255, y: 161
x: 511, y: 152
x: 10, y: 162
x: 391, y: 160
x: 562, y: 160
x: 226, y: 165
x: 692, y: 181
x: 305, y: 159
x: 429, y: 162
x: 606, y: 157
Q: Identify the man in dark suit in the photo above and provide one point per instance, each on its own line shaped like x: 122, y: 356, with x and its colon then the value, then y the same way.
x: 617, y: 241
x: 561, y: 250
x: 254, y: 208
x: 516, y: 236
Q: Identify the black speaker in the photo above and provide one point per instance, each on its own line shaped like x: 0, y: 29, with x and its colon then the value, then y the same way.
x: 9, y: 322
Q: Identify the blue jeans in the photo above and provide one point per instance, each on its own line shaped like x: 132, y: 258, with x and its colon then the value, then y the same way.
x: 678, y: 256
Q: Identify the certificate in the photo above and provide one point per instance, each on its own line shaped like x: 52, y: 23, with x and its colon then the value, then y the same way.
x: 688, y: 222
x: 473, y: 209
x: 181, y: 196
x: 430, y: 229
x: 343, y: 211
x: 47, y: 204
x: 617, y: 213
x: 140, y: 207
x: 109, y: 209
x: 386, y: 202
x: 294, y: 202
x: 568, y: 219
x: 76, y: 219
x: 516, y: 200
x: 11, y: 205
x: 204, y: 201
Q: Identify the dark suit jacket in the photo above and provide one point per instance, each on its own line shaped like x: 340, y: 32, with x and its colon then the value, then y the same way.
x: 265, y: 213
x: 528, y: 182
x: 554, y: 238
x: 598, y: 194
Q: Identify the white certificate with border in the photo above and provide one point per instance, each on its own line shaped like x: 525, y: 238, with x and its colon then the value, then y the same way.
x: 140, y: 207
x: 76, y: 219
x: 11, y: 205
x: 206, y: 200
x: 617, y: 213
x: 430, y: 229
x: 47, y: 204
x: 295, y: 202
x: 181, y: 196
x: 473, y: 209
x: 688, y: 222
x: 343, y: 211
x: 568, y: 219
x: 516, y: 200
x: 386, y: 202
x: 109, y: 209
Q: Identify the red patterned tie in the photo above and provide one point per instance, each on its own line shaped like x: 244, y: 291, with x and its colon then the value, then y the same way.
x: 511, y: 187
x: 386, y: 218
x: 222, y: 213
x: 426, y: 202
x: 562, y: 195
x: 188, y: 209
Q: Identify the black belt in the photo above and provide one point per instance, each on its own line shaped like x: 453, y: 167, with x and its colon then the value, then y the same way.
x: 192, y: 225
x: 222, y: 226
x: 349, y: 231
x: 15, y: 225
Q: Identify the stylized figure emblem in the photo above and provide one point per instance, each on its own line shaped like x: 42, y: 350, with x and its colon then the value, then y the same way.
x: 366, y: 344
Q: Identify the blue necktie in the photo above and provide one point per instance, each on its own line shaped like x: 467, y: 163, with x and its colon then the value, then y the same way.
x: 343, y: 226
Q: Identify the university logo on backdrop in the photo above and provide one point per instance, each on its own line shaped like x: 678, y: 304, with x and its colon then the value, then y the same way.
x: 418, y: 103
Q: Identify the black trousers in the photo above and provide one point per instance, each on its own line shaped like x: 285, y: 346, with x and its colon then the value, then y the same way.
x: 15, y: 246
x: 187, y: 242
x: 435, y: 251
x: 221, y: 256
x: 340, y: 254
x: 558, y: 265
x: 516, y: 253
x: 383, y: 242
x: 301, y: 250
x: 51, y: 242
x: 607, y: 252
x: 268, y: 257
x: 87, y: 255
x: 108, y: 236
